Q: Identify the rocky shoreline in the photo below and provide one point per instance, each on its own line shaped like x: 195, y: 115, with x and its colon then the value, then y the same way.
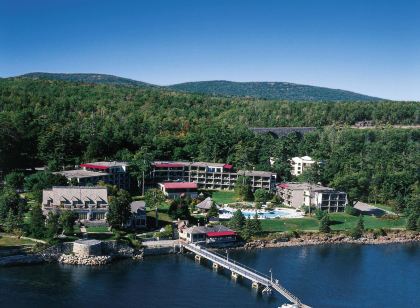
x: 308, y: 239
x: 84, y: 260
x: 63, y: 253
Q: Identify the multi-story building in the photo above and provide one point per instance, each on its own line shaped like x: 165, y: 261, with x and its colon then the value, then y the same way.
x: 305, y: 194
x: 89, y: 203
x: 299, y: 164
x: 174, y: 190
x: 115, y: 173
x: 212, y: 176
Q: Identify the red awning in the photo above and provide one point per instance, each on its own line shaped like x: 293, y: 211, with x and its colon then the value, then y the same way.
x: 220, y: 233
x: 169, y: 165
x: 228, y: 166
x: 283, y: 185
x: 93, y: 166
x: 180, y: 185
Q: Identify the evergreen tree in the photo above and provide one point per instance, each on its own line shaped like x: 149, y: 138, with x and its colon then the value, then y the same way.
x: 14, y: 180
x: 37, y: 222
x: 9, y: 200
x: 412, y: 222
x: 10, y: 222
x: 243, y: 188
x: 237, y: 222
x: 256, y: 225
x: 179, y: 209
x: 52, y: 225
x: 319, y: 214
x: 324, y: 225
x: 213, y: 211
x: 358, y: 230
x: 119, y: 209
x: 247, y: 230
x: 361, y: 224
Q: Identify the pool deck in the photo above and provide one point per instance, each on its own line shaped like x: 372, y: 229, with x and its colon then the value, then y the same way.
x: 281, y: 213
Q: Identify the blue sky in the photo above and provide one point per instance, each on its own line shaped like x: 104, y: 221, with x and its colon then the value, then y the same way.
x: 369, y: 46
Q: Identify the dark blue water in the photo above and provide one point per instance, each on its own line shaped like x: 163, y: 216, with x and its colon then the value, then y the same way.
x: 323, y: 276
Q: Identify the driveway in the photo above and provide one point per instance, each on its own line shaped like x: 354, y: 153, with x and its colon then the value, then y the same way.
x: 368, y: 209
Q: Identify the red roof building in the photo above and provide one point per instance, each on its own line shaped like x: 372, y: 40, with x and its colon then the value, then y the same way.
x: 174, y: 190
x: 221, y: 234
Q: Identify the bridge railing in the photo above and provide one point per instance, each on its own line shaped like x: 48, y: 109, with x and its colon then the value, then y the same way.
x: 229, y: 263
x: 243, y: 270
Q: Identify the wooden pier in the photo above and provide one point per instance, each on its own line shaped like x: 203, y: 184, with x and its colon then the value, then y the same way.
x: 259, y: 280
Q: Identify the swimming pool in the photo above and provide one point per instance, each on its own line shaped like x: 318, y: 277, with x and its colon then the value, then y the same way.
x: 227, y: 213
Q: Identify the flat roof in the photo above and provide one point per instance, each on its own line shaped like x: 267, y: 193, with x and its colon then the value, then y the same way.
x: 137, y: 205
x: 255, y: 173
x: 80, y: 173
x: 303, y: 186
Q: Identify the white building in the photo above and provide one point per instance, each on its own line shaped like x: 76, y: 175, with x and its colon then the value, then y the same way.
x: 89, y: 203
x: 304, y: 194
x: 299, y: 164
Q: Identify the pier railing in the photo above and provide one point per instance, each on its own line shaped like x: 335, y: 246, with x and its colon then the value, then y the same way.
x: 243, y: 270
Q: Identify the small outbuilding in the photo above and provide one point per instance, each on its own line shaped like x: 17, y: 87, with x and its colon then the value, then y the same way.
x: 85, y: 248
x: 205, y: 205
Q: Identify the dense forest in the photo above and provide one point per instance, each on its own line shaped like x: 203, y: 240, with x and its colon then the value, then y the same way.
x: 60, y: 124
x: 271, y: 90
x: 263, y: 90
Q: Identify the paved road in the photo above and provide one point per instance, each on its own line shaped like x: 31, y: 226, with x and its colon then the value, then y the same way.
x: 158, y: 244
x: 370, y: 209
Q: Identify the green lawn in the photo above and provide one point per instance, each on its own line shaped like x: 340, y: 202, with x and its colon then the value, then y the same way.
x: 7, y: 242
x: 340, y: 221
x: 222, y: 197
x: 10, y: 246
x: 291, y: 224
x: 384, y: 207
x: 98, y: 229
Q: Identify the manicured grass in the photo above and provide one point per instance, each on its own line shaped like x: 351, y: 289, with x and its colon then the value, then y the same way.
x: 98, y: 229
x: 281, y: 225
x: 8, y: 242
x: 340, y: 221
x: 384, y: 207
x: 222, y: 197
x: 162, y: 216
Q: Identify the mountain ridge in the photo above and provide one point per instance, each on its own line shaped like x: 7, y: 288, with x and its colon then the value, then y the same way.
x: 271, y: 90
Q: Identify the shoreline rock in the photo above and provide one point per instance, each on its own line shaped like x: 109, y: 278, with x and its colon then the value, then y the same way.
x: 84, y: 260
x: 323, y: 239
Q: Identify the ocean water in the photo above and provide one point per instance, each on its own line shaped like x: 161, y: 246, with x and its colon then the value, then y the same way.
x: 321, y: 276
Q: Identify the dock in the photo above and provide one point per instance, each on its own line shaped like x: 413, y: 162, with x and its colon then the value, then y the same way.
x: 258, y: 279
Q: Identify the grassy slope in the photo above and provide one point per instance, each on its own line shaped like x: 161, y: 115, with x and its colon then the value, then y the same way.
x: 222, y: 197
x: 340, y: 221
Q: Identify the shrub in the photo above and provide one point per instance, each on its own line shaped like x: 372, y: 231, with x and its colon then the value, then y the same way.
x: 379, y: 232
x: 319, y: 214
x: 351, y: 211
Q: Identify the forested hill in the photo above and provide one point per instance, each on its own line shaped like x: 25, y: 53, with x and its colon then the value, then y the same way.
x: 59, y: 124
x: 261, y: 90
x: 271, y: 90
x: 88, y: 78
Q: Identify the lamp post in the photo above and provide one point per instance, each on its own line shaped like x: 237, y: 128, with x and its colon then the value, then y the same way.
x: 271, y: 275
